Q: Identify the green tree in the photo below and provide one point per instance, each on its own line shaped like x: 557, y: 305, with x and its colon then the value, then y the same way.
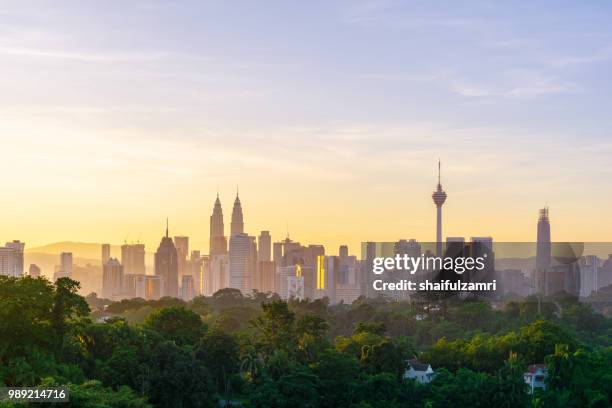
x: 177, y: 379
x: 177, y: 324
x: 67, y: 304
x: 275, y: 328
x: 219, y: 352
x: 338, y: 375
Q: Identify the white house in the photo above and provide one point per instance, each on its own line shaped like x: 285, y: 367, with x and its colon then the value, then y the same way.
x: 421, y: 372
x: 535, y: 376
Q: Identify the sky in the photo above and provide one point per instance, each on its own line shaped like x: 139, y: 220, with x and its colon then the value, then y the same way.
x: 329, y: 116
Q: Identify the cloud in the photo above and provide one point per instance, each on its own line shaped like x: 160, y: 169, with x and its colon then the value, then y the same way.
x: 389, y: 13
x: 82, y: 56
x: 514, y: 84
x: 601, y: 55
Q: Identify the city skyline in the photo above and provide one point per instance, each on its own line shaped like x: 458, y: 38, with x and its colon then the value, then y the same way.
x: 329, y: 117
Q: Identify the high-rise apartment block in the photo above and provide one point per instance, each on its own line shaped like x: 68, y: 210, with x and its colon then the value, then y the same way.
x: 11, y: 259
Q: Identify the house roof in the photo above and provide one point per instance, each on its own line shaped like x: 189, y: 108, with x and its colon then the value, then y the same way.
x: 417, y: 366
x: 535, y: 367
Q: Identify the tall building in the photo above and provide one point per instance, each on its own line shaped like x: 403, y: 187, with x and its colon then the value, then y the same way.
x: 218, y: 242
x: 439, y: 197
x: 277, y: 252
x: 218, y: 277
x: 134, y: 286
x: 237, y: 225
x: 543, y: 251
x: 327, y: 271
x: 187, y: 288
x: 64, y: 270
x: 154, y: 287
x: 11, y: 259
x: 195, y: 267
x: 266, y: 280
x: 133, y: 259
x: 242, y: 262
x: 348, y: 287
x: 264, y: 247
x: 112, y: 279
x: 589, y: 275
x: 182, y: 251
x: 343, y: 251
x: 166, y: 266
x: 105, y: 253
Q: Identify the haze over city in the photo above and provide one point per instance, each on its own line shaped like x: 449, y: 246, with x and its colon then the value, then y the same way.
x: 330, y: 117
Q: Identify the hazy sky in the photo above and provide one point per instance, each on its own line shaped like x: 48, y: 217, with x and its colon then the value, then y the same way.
x: 329, y: 115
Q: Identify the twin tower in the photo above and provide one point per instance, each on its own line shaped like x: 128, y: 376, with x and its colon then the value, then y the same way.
x: 218, y: 240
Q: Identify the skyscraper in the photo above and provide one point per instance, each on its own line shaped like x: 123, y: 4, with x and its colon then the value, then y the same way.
x: 11, y: 259
x: 133, y: 259
x: 543, y: 251
x: 187, y: 288
x: 439, y: 197
x: 66, y: 263
x: 112, y: 279
x: 343, y: 251
x: 105, y: 253
x: 264, y: 247
x: 166, y: 265
x: 218, y: 242
x: 182, y: 251
x: 237, y: 226
x: 242, y: 262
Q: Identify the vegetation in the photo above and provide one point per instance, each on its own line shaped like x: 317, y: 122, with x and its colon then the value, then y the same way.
x: 259, y: 351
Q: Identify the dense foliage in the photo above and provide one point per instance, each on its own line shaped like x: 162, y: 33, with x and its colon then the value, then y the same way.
x: 259, y: 351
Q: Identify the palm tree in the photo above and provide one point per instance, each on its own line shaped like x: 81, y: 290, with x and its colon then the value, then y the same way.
x: 250, y: 365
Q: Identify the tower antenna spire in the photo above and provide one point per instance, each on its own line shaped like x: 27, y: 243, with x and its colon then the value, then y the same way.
x: 166, y: 227
x: 439, y: 171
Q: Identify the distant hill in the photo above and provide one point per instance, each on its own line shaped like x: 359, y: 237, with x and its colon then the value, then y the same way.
x: 89, y: 250
x: 47, y: 262
x: 83, y: 253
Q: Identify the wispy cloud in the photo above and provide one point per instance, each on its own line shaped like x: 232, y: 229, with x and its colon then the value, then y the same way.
x: 514, y: 84
x: 601, y: 55
x: 84, y: 56
x: 389, y: 13
x: 403, y: 77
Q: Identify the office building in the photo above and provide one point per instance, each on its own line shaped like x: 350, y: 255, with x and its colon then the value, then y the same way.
x: 242, y: 262
x: 237, y: 225
x: 134, y: 286
x: 218, y: 242
x: 112, y: 279
x: 182, y: 252
x: 64, y: 269
x: 166, y: 266
x: 264, y: 247
x: 106, y: 253
x: 11, y: 259
x: 266, y: 277
x: 133, y: 259
x: 187, y: 288
x: 218, y: 277
x: 154, y: 287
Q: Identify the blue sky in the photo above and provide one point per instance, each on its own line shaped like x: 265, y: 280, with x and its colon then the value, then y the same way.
x: 328, y: 114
